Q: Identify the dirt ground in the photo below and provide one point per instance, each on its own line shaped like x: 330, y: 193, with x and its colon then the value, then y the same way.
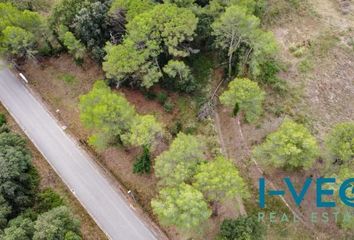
x: 49, y: 179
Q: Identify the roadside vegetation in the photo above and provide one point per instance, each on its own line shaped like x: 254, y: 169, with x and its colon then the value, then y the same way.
x: 149, y: 87
x: 26, y: 211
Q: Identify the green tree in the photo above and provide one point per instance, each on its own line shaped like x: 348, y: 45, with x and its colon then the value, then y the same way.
x: 17, y: 42
x: 108, y: 114
x: 20, y: 228
x: 48, y: 199
x: 72, y: 236
x: 179, y: 162
x: 144, y: 131
x: 181, y: 74
x: 232, y: 29
x: 340, y: 142
x: 182, y: 206
x: 91, y: 26
x: 64, y: 12
x: 237, y: 30
x: 147, y: 38
x: 291, y: 146
x: 128, y: 9
x: 219, y: 180
x: 18, y: 180
x: 242, y: 228
x: 74, y: 46
x: 55, y: 224
x: 244, y: 95
x: 5, y: 210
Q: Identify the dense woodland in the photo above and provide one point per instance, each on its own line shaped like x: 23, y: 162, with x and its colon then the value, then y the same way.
x: 145, y: 45
x: 26, y: 212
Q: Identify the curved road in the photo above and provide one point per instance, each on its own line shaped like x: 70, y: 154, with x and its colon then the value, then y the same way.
x: 81, y: 174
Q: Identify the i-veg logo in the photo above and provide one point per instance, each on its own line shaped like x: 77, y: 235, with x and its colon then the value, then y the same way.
x: 345, y: 191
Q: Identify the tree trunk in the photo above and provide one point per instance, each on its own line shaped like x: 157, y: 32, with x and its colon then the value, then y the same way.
x: 215, y: 208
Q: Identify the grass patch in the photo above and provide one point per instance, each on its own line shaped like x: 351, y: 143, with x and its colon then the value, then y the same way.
x: 67, y: 78
x: 305, y: 65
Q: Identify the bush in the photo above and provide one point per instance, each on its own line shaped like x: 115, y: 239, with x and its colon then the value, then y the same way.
x: 176, y: 128
x: 168, y: 106
x: 242, y: 228
x: 2, y: 119
x: 161, y: 97
x: 269, y: 75
x: 143, y: 163
x: 48, y: 199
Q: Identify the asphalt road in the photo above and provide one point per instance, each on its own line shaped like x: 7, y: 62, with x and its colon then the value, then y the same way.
x: 80, y: 173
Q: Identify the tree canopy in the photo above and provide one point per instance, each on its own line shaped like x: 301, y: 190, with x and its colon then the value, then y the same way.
x: 182, y: 206
x: 179, y: 162
x: 291, y: 146
x: 113, y: 118
x: 55, y: 224
x: 244, y: 95
x: 219, y: 180
x: 148, y: 37
x: 340, y: 142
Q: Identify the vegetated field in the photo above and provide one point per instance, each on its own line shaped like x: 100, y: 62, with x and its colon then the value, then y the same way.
x: 317, y: 61
x: 49, y: 179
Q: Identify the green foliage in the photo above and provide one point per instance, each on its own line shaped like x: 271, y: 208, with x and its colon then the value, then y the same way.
x: 55, y: 224
x: 17, y: 177
x: 179, y: 162
x: 19, y: 31
x: 74, y: 46
x: 113, y: 118
x: 20, y: 228
x: 181, y: 74
x: 148, y: 37
x: 168, y: 106
x: 219, y: 180
x: 2, y: 119
x: 246, y: 96
x: 143, y: 132
x: 131, y: 8
x: 17, y: 42
x: 291, y: 146
x: 340, y: 142
x: 29, y: 4
x: 268, y: 75
x: 106, y: 113
x: 143, y: 162
x: 48, y: 199
x: 182, y: 206
x: 64, y: 13
x: 238, y: 30
x: 162, y: 97
x: 242, y: 228
x: 91, y: 26
x: 72, y: 236
x: 5, y: 210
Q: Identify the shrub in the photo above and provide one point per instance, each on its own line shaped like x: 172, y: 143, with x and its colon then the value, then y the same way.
x: 168, y: 106
x: 161, y: 97
x: 242, y: 228
x: 176, y: 128
x: 2, y: 119
x: 143, y: 163
x: 48, y: 199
